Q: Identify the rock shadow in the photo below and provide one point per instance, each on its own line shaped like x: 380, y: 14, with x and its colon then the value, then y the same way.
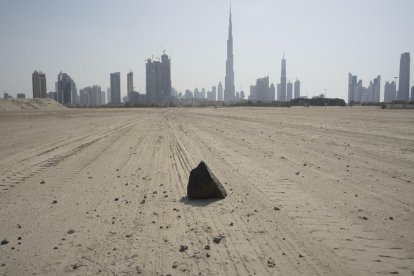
x: 198, y: 202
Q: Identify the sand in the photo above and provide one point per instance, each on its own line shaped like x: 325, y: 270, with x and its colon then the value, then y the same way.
x: 311, y: 191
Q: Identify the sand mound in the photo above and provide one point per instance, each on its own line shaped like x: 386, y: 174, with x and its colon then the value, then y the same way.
x: 29, y: 104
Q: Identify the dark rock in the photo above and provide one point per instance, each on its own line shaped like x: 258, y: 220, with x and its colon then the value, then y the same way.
x: 54, y: 201
x: 271, y: 263
x: 276, y: 208
x: 218, y: 239
x: 391, y: 218
x: 183, y: 248
x: 207, y: 247
x: 4, y: 242
x: 208, y: 255
x: 204, y: 184
x: 116, y: 199
x: 76, y: 265
x: 71, y: 231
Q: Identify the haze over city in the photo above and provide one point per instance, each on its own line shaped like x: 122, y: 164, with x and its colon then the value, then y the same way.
x: 322, y: 42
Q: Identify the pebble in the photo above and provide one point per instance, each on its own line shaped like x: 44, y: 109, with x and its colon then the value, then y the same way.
x: 183, y: 248
x: 4, y: 242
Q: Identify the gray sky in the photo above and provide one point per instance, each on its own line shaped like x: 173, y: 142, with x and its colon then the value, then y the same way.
x: 322, y: 40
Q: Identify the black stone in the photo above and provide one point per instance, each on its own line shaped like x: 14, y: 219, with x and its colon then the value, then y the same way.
x: 204, y: 184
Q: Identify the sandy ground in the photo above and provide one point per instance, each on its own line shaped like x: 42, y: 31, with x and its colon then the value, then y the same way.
x: 310, y: 191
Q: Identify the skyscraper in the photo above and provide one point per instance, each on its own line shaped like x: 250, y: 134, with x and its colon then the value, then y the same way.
x: 412, y: 93
x: 262, y: 90
x: 229, y: 90
x: 296, y: 89
x: 39, y: 84
x: 214, y: 93
x: 130, y: 85
x: 108, y: 95
x: 389, y: 92
x: 278, y: 92
x: 67, y: 91
x: 220, y: 91
x: 353, y: 89
x: 166, y: 77
x: 158, y: 81
x: 283, y: 81
x: 115, y: 88
x: 272, y: 92
x: 404, y: 80
x: 289, y: 93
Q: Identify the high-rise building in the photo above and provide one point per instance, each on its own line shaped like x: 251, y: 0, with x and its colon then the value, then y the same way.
x: 158, y: 81
x: 229, y: 89
x: 130, y: 85
x: 272, y: 92
x: 262, y: 90
x: 296, y: 89
x: 21, y: 96
x: 390, y: 92
x: 39, y: 84
x: 166, y: 77
x: 214, y: 93
x: 115, y: 88
x: 289, y: 92
x: 67, y: 92
x: 108, y: 95
x: 283, y: 81
x: 404, y: 79
x: 220, y: 91
x: 203, y: 93
x: 279, y: 92
x: 354, y: 89
x: 412, y: 93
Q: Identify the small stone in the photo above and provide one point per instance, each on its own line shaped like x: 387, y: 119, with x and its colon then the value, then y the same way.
x: 4, y: 242
x: 207, y: 247
x: 271, y: 263
x: 75, y: 265
x: 116, y: 199
x: 183, y: 248
x: 54, y: 201
x: 208, y: 255
x: 128, y: 235
x: 231, y: 223
x: 276, y: 208
x: 297, y: 173
x: 391, y: 218
x: 42, y: 182
x: 300, y: 256
x: 71, y: 231
x: 19, y: 238
x: 218, y: 239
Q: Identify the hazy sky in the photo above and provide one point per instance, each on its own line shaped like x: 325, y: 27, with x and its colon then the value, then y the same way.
x: 323, y: 40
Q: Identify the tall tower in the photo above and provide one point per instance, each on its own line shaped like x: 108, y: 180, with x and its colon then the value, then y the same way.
x: 404, y: 80
x: 115, y: 80
x: 283, y: 81
x: 130, y: 85
x: 39, y: 84
x: 220, y: 91
x: 229, y: 90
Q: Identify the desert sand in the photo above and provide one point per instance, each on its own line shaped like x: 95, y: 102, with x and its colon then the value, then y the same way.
x: 311, y: 191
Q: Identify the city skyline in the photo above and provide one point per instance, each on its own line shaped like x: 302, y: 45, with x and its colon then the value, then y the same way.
x: 311, y: 54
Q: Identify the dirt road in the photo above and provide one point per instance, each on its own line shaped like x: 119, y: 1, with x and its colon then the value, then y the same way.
x: 310, y: 192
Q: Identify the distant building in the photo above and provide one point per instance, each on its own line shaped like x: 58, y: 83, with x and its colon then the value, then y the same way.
x: 404, y: 79
x: 115, y: 80
x: 289, y: 92
x: 296, y: 89
x: 242, y: 96
x: 282, y: 94
x: 52, y: 95
x: 214, y: 93
x: 279, y: 92
x: 390, y: 92
x: 188, y: 94
x: 92, y: 96
x: 7, y: 96
x: 158, y: 81
x: 67, y: 91
x: 220, y: 91
x: 21, y: 96
x: 272, y: 92
x: 229, y: 88
x: 130, y: 85
x: 108, y: 95
x: 39, y: 84
x: 412, y: 93
x: 372, y: 93
x: 262, y: 90
x: 353, y: 96
x: 103, y: 97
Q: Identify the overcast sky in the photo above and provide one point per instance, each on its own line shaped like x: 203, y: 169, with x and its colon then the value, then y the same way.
x: 323, y: 40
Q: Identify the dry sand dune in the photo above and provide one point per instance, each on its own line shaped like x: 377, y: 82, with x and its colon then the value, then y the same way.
x: 310, y: 192
x: 29, y: 104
